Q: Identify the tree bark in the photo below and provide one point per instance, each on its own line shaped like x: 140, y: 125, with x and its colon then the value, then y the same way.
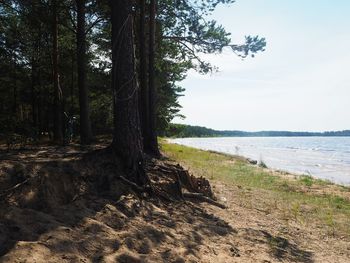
x: 144, y: 94
x: 33, y: 92
x: 85, y: 124
x: 153, y: 142
x: 72, y: 84
x: 14, y: 107
x: 127, y: 140
x: 34, y: 63
x: 58, y: 127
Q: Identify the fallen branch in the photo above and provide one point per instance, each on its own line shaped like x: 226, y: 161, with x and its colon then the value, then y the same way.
x: 203, y: 198
x: 6, y: 192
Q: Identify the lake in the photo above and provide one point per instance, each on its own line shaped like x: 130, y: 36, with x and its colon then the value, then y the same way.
x: 321, y: 157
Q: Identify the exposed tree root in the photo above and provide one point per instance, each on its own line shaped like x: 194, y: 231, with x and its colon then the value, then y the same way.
x: 8, y: 191
x: 197, y: 188
x: 56, y: 182
x: 133, y: 185
x: 201, y: 197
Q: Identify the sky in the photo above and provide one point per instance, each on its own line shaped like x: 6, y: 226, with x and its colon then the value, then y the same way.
x: 300, y: 83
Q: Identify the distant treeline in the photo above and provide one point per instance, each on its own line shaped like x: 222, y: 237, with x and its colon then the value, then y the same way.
x: 181, y: 131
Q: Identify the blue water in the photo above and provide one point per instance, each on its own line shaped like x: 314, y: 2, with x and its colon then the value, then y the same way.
x: 321, y: 157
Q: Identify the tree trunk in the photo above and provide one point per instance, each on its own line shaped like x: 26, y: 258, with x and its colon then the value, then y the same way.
x: 144, y: 94
x: 39, y: 100
x: 127, y: 140
x: 33, y: 91
x: 34, y: 79
x: 71, y: 106
x: 85, y: 124
x: 14, y: 107
x: 58, y: 131
x: 153, y: 142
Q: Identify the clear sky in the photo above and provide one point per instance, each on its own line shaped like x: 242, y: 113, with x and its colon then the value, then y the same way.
x: 300, y: 83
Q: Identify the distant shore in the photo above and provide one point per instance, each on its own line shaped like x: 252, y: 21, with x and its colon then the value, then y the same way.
x: 185, y: 131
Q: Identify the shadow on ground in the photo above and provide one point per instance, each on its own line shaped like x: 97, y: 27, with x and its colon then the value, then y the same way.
x: 71, y: 211
x: 280, y: 248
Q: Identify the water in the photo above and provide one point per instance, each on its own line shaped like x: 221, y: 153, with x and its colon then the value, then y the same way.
x: 321, y: 157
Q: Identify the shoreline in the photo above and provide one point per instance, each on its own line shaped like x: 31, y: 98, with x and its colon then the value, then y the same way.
x: 301, y: 158
x: 310, y: 212
x: 279, y: 172
x: 276, y: 171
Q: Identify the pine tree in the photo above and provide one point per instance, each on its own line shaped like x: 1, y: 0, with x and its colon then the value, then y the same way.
x: 85, y: 124
x: 127, y: 140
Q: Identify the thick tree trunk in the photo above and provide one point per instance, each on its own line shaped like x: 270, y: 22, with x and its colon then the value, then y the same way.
x: 58, y: 130
x: 144, y: 94
x: 127, y: 140
x: 85, y: 124
x: 153, y: 142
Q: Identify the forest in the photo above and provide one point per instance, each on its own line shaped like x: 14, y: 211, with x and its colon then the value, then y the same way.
x: 84, y: 68
x: 57, y: 59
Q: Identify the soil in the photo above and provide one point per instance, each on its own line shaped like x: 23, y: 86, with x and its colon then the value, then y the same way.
x: 57, y: 206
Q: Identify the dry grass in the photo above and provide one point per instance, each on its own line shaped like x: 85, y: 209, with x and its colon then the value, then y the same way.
x: 303, y: 199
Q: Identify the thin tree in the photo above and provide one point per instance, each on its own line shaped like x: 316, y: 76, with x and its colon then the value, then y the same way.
x: 144, y: 94
x: 127, y: 139
x: 85, y: 123
x: 153, y: 142
x: 58, y: 127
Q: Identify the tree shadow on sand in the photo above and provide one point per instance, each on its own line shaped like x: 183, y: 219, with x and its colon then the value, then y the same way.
x: 69, y: 211
x: 279, y: 248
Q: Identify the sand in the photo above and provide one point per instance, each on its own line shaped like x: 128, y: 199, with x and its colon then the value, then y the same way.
x: 74, y: 226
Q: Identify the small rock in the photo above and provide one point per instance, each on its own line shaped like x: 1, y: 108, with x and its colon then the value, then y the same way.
x: 251, y: 161
x: 223, y: 199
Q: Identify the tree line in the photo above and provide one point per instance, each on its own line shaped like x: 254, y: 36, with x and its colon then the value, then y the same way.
x: 182, y: 131
x: 115, y: 65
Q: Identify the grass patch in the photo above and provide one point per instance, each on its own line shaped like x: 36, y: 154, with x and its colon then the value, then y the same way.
x: 295, y: 197
x: 306, y: 180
